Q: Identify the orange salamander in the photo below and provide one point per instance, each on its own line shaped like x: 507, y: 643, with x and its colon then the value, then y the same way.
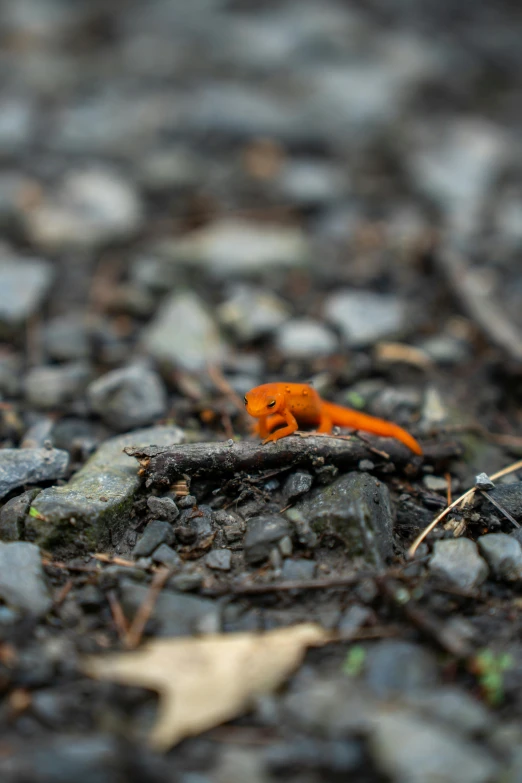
x: 292, y: 404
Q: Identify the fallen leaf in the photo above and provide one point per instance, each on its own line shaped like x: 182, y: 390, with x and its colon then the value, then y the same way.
x: 208, y: 680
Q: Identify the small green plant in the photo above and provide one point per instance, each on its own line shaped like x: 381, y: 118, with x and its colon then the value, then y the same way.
x: 489, y: 669
x: 33, y: 512
x: 354, y: 661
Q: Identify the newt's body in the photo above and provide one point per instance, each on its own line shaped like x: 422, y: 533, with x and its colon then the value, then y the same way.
x: 292, y: 404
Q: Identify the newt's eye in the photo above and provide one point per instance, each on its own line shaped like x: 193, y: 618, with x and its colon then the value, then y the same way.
x: 271, y: 404
x: 245, y: 400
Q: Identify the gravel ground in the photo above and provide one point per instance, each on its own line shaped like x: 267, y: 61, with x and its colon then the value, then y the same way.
x: 200, y: 197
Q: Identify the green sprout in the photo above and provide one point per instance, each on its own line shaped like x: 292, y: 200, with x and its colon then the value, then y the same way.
x: 354, y: 661
x: 490, y: 669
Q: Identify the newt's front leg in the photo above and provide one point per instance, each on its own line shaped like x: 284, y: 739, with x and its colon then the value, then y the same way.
x: 291, y: 426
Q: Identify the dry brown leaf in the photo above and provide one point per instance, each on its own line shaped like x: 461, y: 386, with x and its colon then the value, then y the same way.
x: 206, y: 681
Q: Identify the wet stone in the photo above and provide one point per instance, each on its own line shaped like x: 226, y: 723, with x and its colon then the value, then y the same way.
x: 356, y: 507
x: 176, y: 614
x: 128, y: 398
x: 458, y: 562
x: 298, y: 569
x: 364, y: 317
x: 30, y: 466
x: 22, y: 579
x: 24, y: 283
x: 157, y: 532
x: 509, y: 496
x: 503, y: 554
x: 394, y: 667
x: 262, y: 534
x: 184, y: 334
x: 13, y: 513
x: 162, y: 508
x: 297, y: 484
x: 50, y: 387
x: 166, y: 556
x: 100, y: 495
x: 219, y: 559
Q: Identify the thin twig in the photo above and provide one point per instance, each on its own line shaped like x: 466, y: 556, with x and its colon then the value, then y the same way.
x: 120, y: 621
x: 420, y: 538
x: 142, y: 616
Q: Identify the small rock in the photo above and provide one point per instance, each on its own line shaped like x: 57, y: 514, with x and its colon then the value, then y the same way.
x: 177, y: 614
x: 395, y: 667
x: 10, y: 375
x: 365, y: 317
x: 66, y: 338
x: 458, y: 562
x: 483, y: 481
x: 353, y: 619
x: 128, y: 398
x: 356, y: 507
x: 298, y: 569
x: 407, y: 748
x: 157, y: 532
x: 305, y: 338
x: 285, y: 546
x: 252, y: 313
x: 90, y: 208
x: 162, y: 508
x: 503, y: 554
x: 262, y: 534
x: 13, y: 513
x: 453, y: 707
x: 30, y: 466
x: 435, y: 483
x: 22, y: 579
x: 219, y: 559
x: 233, y: 247
x: 444, y: 349
x: 186, y: 501
x: 311, y: 182
x: 47, y: 388
x: 166, y: 556
x: 24, y: 284
x: 296, y: 484
x: 39, y: 433
x: 184, y: 334
x: 99, y: 496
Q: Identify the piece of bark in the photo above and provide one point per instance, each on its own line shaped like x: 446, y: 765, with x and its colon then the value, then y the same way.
x: 162, y: 466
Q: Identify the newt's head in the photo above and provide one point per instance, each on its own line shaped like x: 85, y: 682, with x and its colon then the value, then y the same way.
x: 264, y: 400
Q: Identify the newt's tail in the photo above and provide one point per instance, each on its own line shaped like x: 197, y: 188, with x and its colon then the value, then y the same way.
x: 346, y: 417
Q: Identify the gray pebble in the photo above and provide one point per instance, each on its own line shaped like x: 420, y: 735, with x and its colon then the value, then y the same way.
x: 261, y: 535
x: 176, y: 614
x: 305, y: 338
x: 157, y: 532
x: 162, y: 508
x: 166, y: 556
x: 128, y: 398
x: 285, y: 546
x: 503, y: 554
x: 353, y: 619
x: 66, y: 338
x: 296, y: 484
x: 483, y: 481
x: 184, y: 334
x: 22, y: 579
x: 365, y: 317
x: 219, y: 559
x: 252, y: 312
x: 407, y: 748
x: 458, y: 562
x: 186, y: 501
x: 298, y: 569
x: 30, y: 466
x: 435, y: 483
x: 50, y: 387
x: 394, y: 667
x: 13, y: 513
x: 24, y: 284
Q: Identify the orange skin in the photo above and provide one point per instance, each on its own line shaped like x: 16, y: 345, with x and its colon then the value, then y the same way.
x: 292, y: 404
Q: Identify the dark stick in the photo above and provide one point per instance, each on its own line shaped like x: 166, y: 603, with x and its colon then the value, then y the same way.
x: 161, y: 466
